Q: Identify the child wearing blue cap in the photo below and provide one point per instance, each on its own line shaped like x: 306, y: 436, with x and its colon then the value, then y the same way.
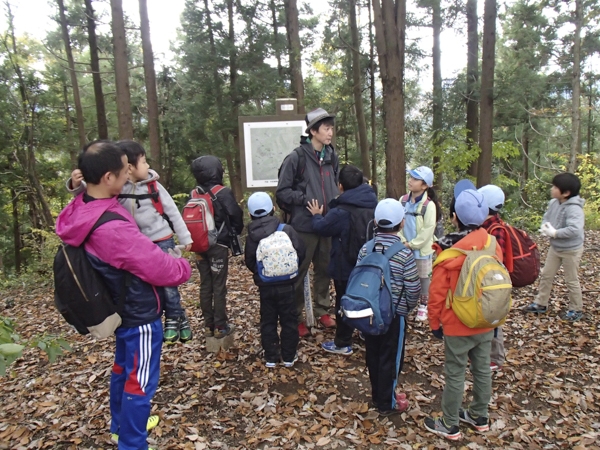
x: 273, y: 253
x: 422, y: 214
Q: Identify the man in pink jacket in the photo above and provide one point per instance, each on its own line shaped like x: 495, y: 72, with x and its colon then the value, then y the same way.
x: 124, y: 257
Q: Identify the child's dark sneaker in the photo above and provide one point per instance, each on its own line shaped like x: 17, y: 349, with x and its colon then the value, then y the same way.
x: 535, y: 309
x: 329, y: 346
x: 270, y: 364
x: 439, y: 427
x: 171, y: 334
x: 480, y: 424
x: 572, y: 316
x: 289, y: 364
x: 221, y: 332
x: 185, y: 332
x: 209, y: 332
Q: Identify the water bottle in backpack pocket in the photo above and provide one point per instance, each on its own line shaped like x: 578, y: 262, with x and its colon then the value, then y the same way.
x: 276, y: 257
x: 368, y: 304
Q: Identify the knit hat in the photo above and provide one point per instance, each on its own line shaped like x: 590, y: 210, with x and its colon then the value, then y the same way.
x: 389, y: 213
x: 260, y: 204
x: 314, y: 116
x: 422, y: 173
x: 471, y: 208
x: 493, y: 195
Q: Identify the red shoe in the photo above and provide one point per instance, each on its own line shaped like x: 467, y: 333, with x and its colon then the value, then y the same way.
x: 400, y: 396
x: 327, y: 321
x: 302, y: 330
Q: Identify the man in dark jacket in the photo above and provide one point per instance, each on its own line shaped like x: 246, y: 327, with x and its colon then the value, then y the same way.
x: 277, y: 301
x: 213, y: 264
x: 357, y: 200
x: 310, y: 172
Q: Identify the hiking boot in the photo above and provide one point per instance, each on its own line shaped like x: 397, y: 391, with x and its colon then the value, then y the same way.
x: 495, y: 367
x: 327, y: 321
x: 439, y: 427
x: 221, y: 332
x: 480, y: 424
x: 572, y: 316
x: 535, y: 308
x: 185, y: 332
x: 302, y: 330
x: 152, y: 423
x: 209, y: 332
x: 422, y: 313
x: 330, y: 347
x: 171, y: 330
x: 291, y: 363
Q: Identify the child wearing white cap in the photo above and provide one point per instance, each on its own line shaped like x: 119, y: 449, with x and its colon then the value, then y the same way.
x: 422, y: 213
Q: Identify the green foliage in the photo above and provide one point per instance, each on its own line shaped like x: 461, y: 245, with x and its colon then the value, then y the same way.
x: 588, y: 172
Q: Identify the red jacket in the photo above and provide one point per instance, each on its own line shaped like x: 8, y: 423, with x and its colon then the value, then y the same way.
x: 444, y: 279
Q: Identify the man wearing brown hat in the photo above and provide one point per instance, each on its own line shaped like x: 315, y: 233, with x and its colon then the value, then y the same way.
x: 308, y: 173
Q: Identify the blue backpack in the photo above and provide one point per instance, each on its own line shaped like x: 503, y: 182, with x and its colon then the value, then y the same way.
x: 368, y: 305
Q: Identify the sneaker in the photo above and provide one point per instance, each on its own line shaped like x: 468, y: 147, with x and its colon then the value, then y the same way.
x: 572, y: 316
x: 152, y: 423
x: 480, y: 424
x: 171, y: 334
x: 439, y: 427
x: 185, y: 332
x: 270, y: 364
x: 422, y: 313
x: 327, y: 321
x: 221, y: 332
x: 330, y: 347
x: 302, y: 330
x: 401, y: 406
x: 535, y: 309
x: 361, y: 336
x: 291, y: 364
x: 209, y: 332
x: 495, y: 367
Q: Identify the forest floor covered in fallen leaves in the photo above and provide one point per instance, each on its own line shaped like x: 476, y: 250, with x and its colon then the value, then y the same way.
x: 546, y: 397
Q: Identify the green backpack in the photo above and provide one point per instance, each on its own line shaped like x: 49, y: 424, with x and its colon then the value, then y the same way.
x: 481, y: 298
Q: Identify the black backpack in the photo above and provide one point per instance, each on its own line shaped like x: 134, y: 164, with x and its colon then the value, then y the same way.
x: 360, y: 231
x: 298, y: 178
x: 81, y: 295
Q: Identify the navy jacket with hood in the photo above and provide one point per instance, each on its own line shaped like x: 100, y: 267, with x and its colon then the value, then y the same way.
x: 336, y: 223
x: 319, y: 182
x: 208, y: 172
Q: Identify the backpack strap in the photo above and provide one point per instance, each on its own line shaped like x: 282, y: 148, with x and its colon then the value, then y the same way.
x: 453, y: 252
x: 507, y: 252
x: 421, y: 206
x: 301, y: 166
x: 280, y: 227
x: 393, y: 249
x: 155, y: 197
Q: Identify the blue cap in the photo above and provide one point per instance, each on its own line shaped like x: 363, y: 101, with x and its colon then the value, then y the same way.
x: 494, y: 196
x: 260, y: 204
x: 471, y: 207
x: 422, y: 173
x: 463, y: 185
x: 389, y: 213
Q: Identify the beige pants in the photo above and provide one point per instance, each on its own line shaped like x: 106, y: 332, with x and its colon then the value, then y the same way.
x: 569, y: 261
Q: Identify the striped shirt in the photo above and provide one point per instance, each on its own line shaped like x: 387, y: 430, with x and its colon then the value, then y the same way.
x: 406, y: 286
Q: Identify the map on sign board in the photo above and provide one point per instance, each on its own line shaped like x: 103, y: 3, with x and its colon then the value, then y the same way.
x: 266, y: 144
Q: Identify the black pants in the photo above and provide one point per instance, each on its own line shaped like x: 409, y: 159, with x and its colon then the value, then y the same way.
x: 385, y: 355
x: 277, y: 303
x: 343, y: 332
x: 213, y: 269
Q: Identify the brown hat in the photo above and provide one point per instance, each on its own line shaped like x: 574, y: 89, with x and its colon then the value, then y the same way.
x: 314, y: 116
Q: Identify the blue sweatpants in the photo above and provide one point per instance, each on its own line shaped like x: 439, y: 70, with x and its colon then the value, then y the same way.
x: 133, y: 382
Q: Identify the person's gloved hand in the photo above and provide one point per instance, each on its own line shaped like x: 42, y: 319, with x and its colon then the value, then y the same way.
x: 439, y: 333
x: 548, y: 230
x: 174, y: 252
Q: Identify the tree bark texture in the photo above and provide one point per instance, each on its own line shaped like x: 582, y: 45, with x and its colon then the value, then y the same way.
x: 357, y: 91
x: 234, y: 172
x: 576, y: 84
x: 96, y: 78
x: 74, y: 84
x: 472, y: 81
x: 484, y: 165
x: 276, y: 46
x: 437, y: 121
x: 295, y: 52
x: 68, y: 124
x: 150, y: 82
x: 373, y: 104
x: 124, y: 115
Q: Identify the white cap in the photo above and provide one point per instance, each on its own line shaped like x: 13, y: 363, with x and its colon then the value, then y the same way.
x: 494, y: 196
x: 389, y: 213
x: 260, y: 204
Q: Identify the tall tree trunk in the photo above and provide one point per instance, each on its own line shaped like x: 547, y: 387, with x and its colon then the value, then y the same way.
x: 484, y: 165
x: 389, y: 35
x: 150, y: 81
x: 16, y: 229
x: 295, y: 51
x: 576, y: 83
x: 96, y: 79
x: 590, y: 146
x: 74, y: 84
x: 373, y: 104
x: 357, y: 91
x: 234, y: 175
x: 437, y: 95
x: 121, y: 71
x: 69, y: 126
x: 276, y: 46
x: 525, y: 177
x: 472, y: 81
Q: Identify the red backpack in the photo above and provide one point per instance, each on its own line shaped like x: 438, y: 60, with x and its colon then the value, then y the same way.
x: 522, y: 257
x: 199, y: 217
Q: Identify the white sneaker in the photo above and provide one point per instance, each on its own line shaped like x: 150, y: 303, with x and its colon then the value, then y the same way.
x: 422, y: 313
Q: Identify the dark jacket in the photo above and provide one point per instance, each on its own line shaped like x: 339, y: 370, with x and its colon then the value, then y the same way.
x: 208, y: 172
x: 336, y: 223
x: 320, y: 182
x: 260, y: 229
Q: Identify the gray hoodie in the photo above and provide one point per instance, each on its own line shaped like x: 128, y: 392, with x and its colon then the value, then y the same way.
x: 568, y: 219
x: 149, y: 221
